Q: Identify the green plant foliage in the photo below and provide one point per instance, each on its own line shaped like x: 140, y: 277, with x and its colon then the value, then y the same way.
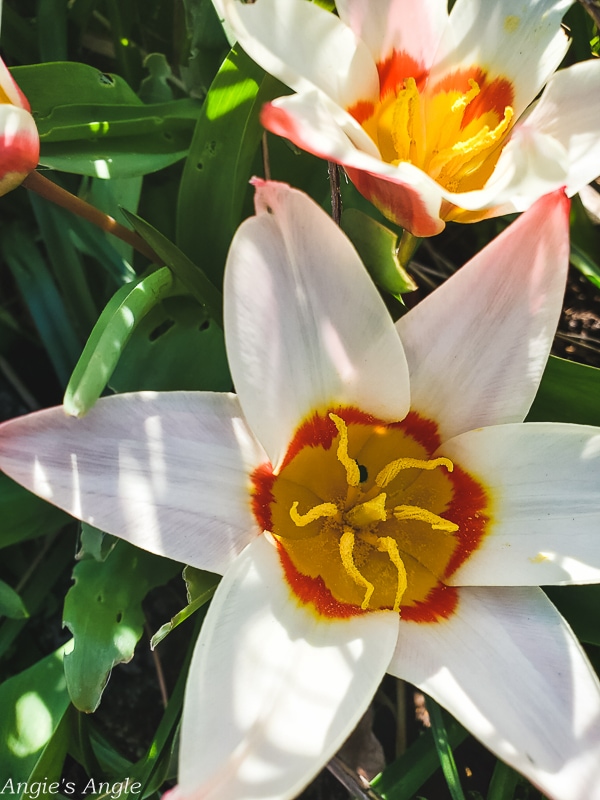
x: 24, y: 516
x: 11, y: 604
x: 378, y: 248
x: 33, y: 704
x: 568, y: 393
x: 103, y: 612
x: 219, y: 164
x: 200, y: 586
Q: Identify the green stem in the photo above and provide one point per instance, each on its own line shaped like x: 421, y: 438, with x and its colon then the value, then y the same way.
x: 407, y: 248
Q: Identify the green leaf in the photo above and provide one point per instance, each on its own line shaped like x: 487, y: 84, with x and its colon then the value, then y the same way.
x: 49, y: 768
x: 174, y: 347
x: 25, y: 516
x: 114, y: 329
x: 190, y: 275
x: 377, y: 247
x: 444, y: 749
x: 405, y: 776
x: 103, y: 612
x: 201, y: 586
x: 219, y: 164
x: 568, y: 393
x: 11, y: 604
x: 52, y: 29
x: 33, y: 704
x: 42, y: 299
x: 504, y: 782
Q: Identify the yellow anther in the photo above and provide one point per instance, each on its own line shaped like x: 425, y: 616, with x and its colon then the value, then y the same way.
x: 349, y: 464
x: 388, y: 545
x: 322, y: 510
x: 405, y: 113
x: 464, y: 100
x: 346, y: 554
x: 422, y: 515
x: 389, y: 472
x: 485, y: 137
x: 368, y: 512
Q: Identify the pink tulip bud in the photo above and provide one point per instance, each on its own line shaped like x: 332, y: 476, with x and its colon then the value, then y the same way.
x: 19, y: 139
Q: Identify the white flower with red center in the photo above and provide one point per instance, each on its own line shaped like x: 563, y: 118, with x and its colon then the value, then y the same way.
x: 19, y: 140
x: 372, y: 499
x: 431, y: 114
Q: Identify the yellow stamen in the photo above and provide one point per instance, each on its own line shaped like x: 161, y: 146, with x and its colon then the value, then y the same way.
x: 349, y: 464
x: 389, y: 472
x: 404, y: 117
x: 389, y: 546
x: 464, y: 100
x: 368, y: 512
x: 346, y: 549
x: 422, y: 515
x: 322, y: 510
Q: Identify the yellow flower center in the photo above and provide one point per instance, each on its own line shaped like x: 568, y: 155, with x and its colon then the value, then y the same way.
x: 453, y: 132
x: 361, y: 509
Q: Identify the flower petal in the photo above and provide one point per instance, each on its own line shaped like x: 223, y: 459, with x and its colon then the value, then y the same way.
x: 478, y: 345
x: 169, y: 472
x: 543, y: 481
x: 19, y: 145
x: 400, y: 26
x: 305, y: 327
x: 273, y: 689
x: 9, y: 91
x: 509, y: 668
x: 522, y: 42
x: 565, y: 114
x: 304, y: 46
x: 403, y: 193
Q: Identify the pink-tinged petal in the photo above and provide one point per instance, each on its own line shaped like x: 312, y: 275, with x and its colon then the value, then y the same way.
x: 521, y: 42
x: 19, y: 146
x: 9, y: 91
x: 168, y: 472
x: 478, y: 345
x: 273, y: 690
x: 509, y: 668
x: 397, y: 27
x: 565, y: 115
x: 403, y: 193
x: 543, y: 481
x: 304, y: 46
x: 306, y: 330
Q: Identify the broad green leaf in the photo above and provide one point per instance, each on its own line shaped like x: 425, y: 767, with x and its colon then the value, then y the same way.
x: 190, y: 275
x: 201, y: 586
x: 504, y: 782
x: 110, y: 197
x: 377, y: 247
x: 24, y: 516
x: 94, y: 543
x: 219, y: 164
x: 49, y: 768
x: 444, y: 749
x: 11, y: 604
x: 404, y: 777
x: 52, y: 29
x: 175, y: 347
x: 155, y: 87
x: 568, y: 392
x: 33, y: 704
x: 112, y: 332
x: 103, y: 611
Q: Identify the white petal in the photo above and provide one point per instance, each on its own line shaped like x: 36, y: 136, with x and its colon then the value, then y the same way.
x: 273, y: 690
x: 9, y: 88
x: 169, y: 472
x: 304, y: 46
x: 478, y: 345
x: 509, y: 668
x: 565, y: 114
x: 543, y: 480
x: 520, y: 40
x: 304, y: 325
x: 403, y: 26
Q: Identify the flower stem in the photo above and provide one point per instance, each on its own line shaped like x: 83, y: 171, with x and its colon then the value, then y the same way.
x: 49, y: 190
x: 336, y: 195
x: 407, y: 248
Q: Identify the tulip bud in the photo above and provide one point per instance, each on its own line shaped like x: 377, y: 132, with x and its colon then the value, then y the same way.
x: 19, y: 139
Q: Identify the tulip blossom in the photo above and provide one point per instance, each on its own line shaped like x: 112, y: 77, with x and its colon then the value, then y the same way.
x: 372, y: 498
x: 431, y: 114
x: 19, y: 140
